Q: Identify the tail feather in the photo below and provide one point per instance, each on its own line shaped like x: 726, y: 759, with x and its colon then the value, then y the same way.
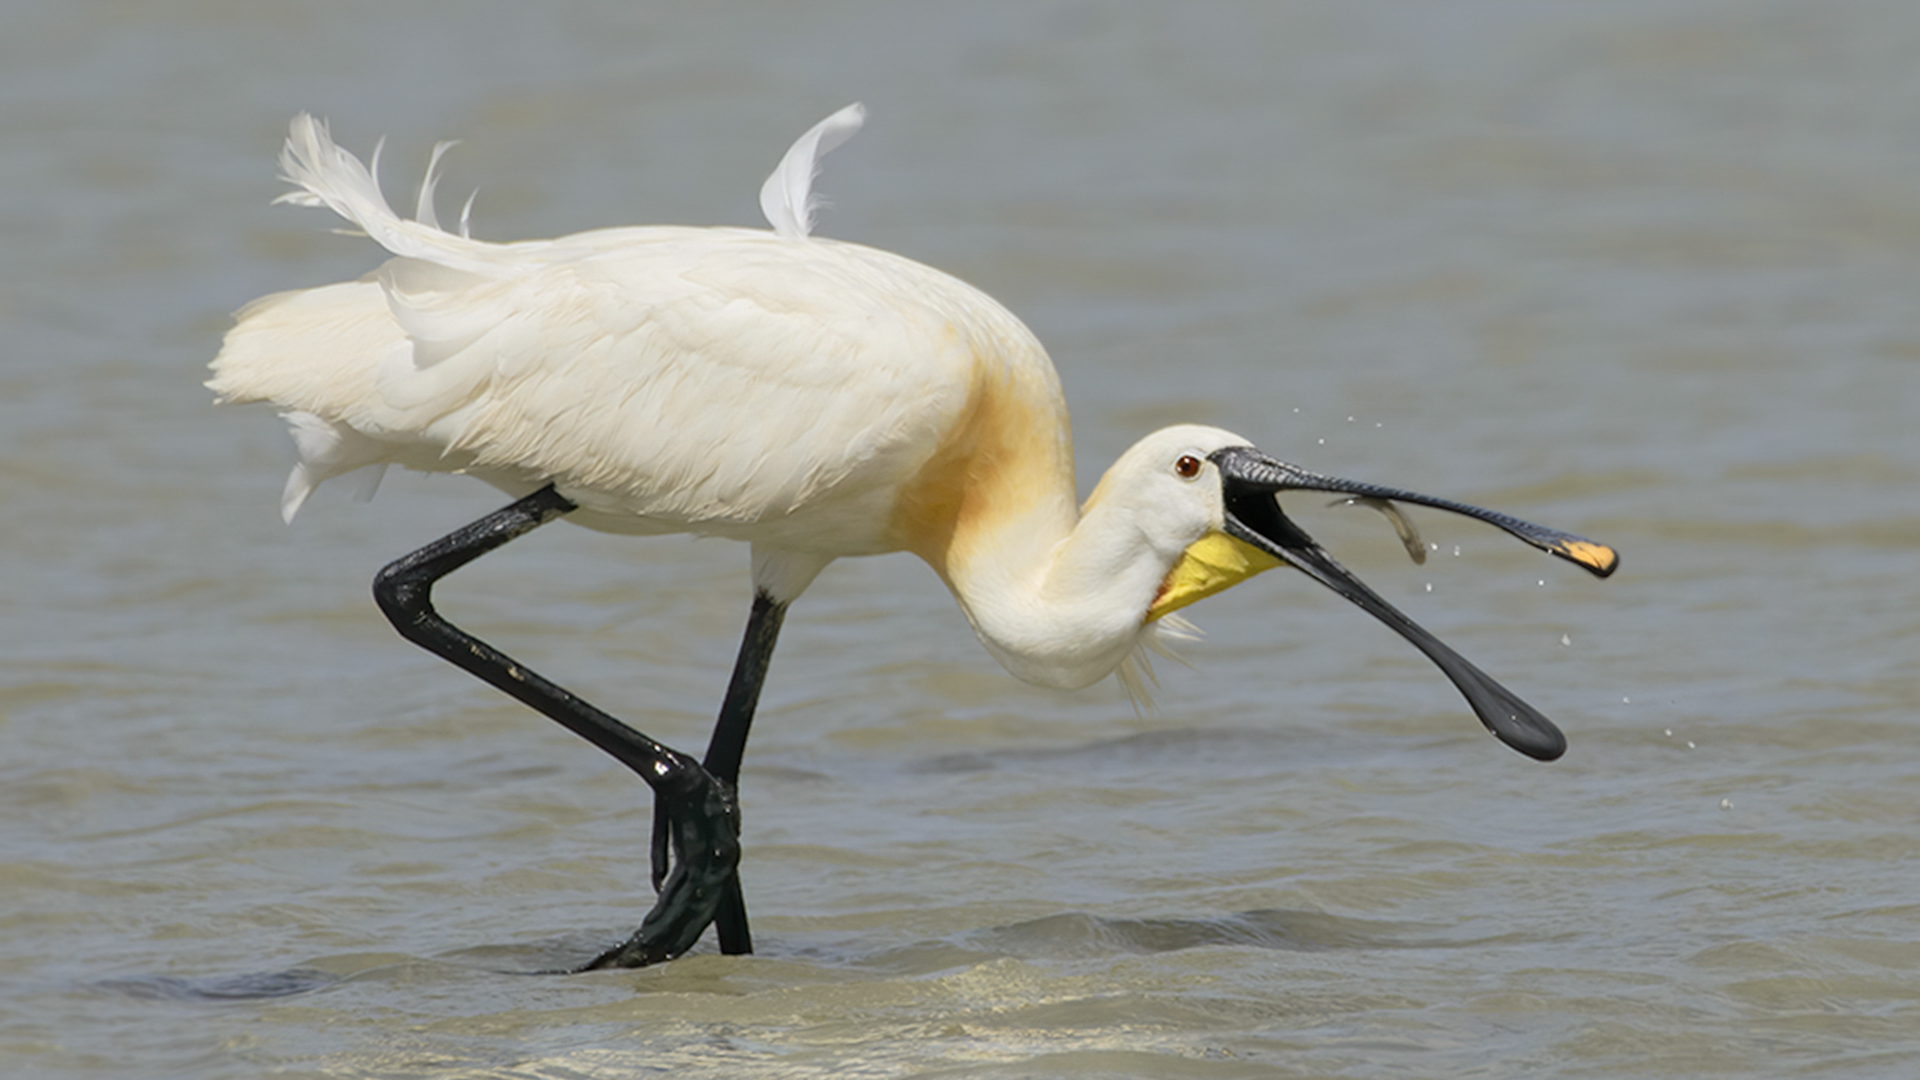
x: 328, y: 176
x: 423, y: 209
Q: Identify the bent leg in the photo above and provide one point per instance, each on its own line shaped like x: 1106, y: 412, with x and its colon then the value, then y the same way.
x: 703, y: 819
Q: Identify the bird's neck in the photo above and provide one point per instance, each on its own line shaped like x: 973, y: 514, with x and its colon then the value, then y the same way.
x: 1058, y: 596
x: 1061, y: 603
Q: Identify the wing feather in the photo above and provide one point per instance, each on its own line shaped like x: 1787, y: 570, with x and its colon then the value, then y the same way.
x: 666, y: 378
x: 725, y: 378
x: 697, y: 378
x: 787, y: 198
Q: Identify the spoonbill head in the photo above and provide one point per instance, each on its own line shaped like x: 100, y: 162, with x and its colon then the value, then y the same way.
x: 814, y: 398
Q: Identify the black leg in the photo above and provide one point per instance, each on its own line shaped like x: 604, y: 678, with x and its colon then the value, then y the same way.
x: 722, y: 764
x: 729, y: 743
x: 702, y: 816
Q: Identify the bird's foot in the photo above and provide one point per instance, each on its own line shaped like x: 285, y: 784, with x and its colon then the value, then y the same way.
x: 701, y: 817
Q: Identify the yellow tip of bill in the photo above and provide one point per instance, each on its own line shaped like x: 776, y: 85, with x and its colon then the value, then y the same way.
x: 1598, y: 558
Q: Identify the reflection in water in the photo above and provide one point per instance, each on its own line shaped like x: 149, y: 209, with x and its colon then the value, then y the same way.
x: 254, y: 985
x: 1081, y: 935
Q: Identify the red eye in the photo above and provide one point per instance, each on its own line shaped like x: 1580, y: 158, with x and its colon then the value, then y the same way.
x: 1187, y: 467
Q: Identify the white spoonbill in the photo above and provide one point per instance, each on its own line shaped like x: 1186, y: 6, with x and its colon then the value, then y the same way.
x: 812, y: 397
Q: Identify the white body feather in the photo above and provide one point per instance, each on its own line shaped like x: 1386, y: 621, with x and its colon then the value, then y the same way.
x: 816, y: 398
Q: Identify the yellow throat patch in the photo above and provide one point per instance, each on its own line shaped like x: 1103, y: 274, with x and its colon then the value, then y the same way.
x: 1214, y: 563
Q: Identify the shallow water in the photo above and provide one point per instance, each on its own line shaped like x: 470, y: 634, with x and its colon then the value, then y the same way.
x: 1640, y: 270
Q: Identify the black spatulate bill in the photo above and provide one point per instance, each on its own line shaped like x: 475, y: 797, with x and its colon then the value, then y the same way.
x: 1250, y: 480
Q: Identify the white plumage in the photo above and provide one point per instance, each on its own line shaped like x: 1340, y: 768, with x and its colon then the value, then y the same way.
x: 792, y: 391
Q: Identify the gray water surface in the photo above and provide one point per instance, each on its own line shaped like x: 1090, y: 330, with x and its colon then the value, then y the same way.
x: 1642, y: 270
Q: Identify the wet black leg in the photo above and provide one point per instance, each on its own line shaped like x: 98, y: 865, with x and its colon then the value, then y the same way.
x: 722, y: 763
x: 702, y: 816
x: 729, y: 743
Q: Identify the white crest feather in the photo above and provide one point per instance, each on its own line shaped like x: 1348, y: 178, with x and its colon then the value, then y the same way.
x: 1136, y: 671
x: 787, y: 197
